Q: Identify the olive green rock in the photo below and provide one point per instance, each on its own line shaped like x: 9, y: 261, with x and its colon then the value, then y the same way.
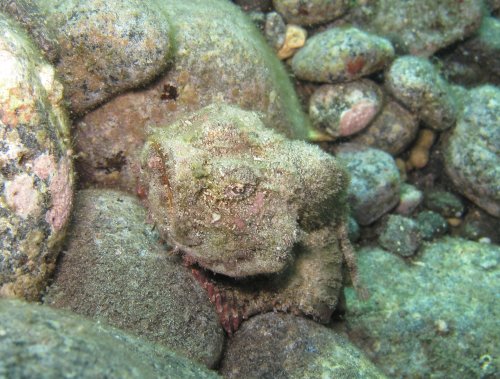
x: 276, y: 345
x: 115, y: 270
x: 340, y: 55
x: 434, y: 316
x: 41, y: 342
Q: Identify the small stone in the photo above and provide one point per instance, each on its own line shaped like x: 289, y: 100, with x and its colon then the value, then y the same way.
x: 472, y: 152
x: 41, y: 342
x: 275, y: 30
x: 443, y: 202
x: 420, y: 152
x: 310, y: 12
x: 345, y: 109
x: 431, y: 225
x: 375, y: 182
x: 295, y: 37
x: 340, y: 55
x: 401, y: 235
x: 416, y: 83
x: 114, y: 269
x: 410, y: 199
x: 393, y: 130
x: 286, y: 346
x: 479, y: 224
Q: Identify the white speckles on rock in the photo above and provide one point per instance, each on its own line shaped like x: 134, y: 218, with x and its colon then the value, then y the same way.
x: 340, y: 55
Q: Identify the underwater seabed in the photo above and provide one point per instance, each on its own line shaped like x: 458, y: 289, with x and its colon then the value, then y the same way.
x: 249, y: 189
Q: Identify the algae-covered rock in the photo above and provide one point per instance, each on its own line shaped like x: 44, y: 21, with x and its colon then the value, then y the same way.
x: 234, y: 195
x: 115, y: 270
x: 392, y: 131
x: 41, y: 342
x: 375, y: 181
x: 400, y: 235
x: 36, y: 172
x: 276, y: 345
x: 27, y: 13
x: 472, y: 152
x: 419, y: 27
x: 346, y: 108
x: 311, y: 11
x: 106, y: 48
x: 435, y: 317
x: 416, y: 83
x: 220, y: 57
x: 341, y: 54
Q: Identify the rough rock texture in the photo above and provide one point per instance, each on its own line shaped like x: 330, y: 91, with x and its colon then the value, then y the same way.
x: 374, y: 187
x: 431, y: 225
x: 437, y: 317
x: 345, y: 109
x: 27, y: 13
x: 393, y: 130
x: 416, y: 83
x: 443, y: 202
x: 419, y: 27
x: 400, y: 235
x: 472, y: 152
x: 340, y: 55
x: 310, y: 12
x: 40, y: 342
x: 235, y: 196
x: 410, y: 199
x: 106, y: 48
x: 218, y: 51
x: 279, y: 346
x: 36, y: 172
x: 115, y: 270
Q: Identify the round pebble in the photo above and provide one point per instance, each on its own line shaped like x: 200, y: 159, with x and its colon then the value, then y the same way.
x: 345, y: 109
x: 393, y: 130
x: 340, y: 55
x: 416, y: 83
x: 106, y: 48
x: 401, y: 235
x: 431, y: 225
x: 375, y: 182
x: 410, y: 199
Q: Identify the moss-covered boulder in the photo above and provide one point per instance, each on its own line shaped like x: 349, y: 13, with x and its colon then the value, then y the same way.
x: 277, y: 345
x: 433, y: 316
x: 115, y: 270
x: 41, y: 342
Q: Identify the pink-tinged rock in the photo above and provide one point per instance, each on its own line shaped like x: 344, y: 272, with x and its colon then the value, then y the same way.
x: 22, y: 198
x: 345, y: 109
x: 35, y: 191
